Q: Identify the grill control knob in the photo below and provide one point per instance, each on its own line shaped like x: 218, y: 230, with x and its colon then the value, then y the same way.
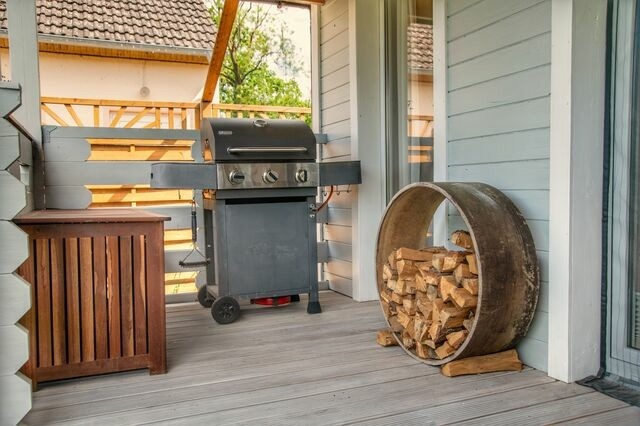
x: 302, y: 176
x: 236, y: 177
x: 270, y: 176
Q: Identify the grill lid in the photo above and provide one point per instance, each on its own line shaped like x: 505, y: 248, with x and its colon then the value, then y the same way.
x: 257, y: 140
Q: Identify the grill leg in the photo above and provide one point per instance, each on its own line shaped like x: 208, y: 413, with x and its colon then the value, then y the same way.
x: 314, y: 303
x: 208, y: 242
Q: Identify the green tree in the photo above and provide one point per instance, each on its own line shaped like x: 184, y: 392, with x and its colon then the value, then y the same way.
x: 255, y: 43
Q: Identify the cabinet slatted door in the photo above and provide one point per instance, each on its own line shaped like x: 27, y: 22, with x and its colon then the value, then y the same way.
x: 97, y: 290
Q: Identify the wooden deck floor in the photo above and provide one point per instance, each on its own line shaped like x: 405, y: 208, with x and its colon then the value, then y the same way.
x: 281, y: 366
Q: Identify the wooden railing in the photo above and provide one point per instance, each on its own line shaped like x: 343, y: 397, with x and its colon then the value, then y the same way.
x: 152, y: 114
x: 420, y: 125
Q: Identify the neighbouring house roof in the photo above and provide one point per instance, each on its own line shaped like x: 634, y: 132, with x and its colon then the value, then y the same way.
x: 167, y: 25
x: 420, y: 47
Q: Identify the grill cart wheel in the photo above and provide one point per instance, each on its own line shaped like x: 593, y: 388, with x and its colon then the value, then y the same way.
x: 205, y: 299
x: 225, y: 310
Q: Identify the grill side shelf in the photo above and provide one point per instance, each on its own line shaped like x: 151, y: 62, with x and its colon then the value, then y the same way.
x: 340, y: 173
x: 184, y: 175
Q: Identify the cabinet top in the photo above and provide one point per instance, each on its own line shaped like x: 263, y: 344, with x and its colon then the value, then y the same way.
x: 98, y: 215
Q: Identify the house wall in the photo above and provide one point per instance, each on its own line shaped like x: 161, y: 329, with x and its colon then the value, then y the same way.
x: 335, y: 104
x: 498, y: 69
x: 78, y: 76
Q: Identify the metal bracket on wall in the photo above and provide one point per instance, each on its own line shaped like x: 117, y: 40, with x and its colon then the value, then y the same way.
x: 322, y: 216
x: 323, y: 251
x: 321, y: 138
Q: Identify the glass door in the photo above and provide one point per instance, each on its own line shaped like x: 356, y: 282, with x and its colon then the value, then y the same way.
x: 623, y: 319
x: 409, y: 93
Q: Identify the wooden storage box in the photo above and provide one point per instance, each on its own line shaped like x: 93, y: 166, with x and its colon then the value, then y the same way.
x: 98, y: 304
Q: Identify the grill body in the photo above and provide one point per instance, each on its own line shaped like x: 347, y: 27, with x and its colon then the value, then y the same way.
x: 259, y: 183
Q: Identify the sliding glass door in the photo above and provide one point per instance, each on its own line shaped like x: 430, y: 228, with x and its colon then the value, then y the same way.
x: 623, y: 319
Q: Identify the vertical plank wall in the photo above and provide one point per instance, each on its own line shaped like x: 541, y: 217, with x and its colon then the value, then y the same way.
x: 498, y: 83
x: 335, y: 104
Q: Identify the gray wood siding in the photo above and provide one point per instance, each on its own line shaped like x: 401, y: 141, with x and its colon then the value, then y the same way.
x: 14, y: 250
x: 335, y: 105
x: 498, y: 83
x: 68, y: 171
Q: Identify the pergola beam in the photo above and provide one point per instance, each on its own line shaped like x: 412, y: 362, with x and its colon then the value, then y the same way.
x: 229, y: 11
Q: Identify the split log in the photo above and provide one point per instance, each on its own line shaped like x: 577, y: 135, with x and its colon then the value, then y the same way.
x: 406, y: 268
x: 404, y: 318
x: 389, y: 273
x: 436, y: 306
x: 396, y: 298
x: 423, y: 266
x: 456, y: 338
x: 435, y: 331
x: 447, y: 285
x: 437, y: 261
x: 431, y: 277
x: 400, y: 288
x: 463, y: 299
x: 395, y: 325
x: 421, y: 329
x: 409, y: 306
x: 473, y: 263
x: 430, y: 343
x: 422, y: 351
x: 405, y: 253
x: 462, y: 239
x: 468, y: 323
x: 425, y: 307
x: 445, y: 350
x: 421, y: 283
x: 385, y: 295
x: 452, y: 317
x: 501, y: 361
x: 407, y: 340
x: 385, y: 338
x: 391, y: 284
x: 392, y: 260
x: 471, y: 285
x: 461, y: 272
x: 451, y: 261
x: 432, y: 293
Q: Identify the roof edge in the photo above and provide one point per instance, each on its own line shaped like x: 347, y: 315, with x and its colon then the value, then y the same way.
x: 107, y: 48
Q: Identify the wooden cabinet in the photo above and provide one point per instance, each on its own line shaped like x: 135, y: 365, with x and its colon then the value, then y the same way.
x: 97, y: 281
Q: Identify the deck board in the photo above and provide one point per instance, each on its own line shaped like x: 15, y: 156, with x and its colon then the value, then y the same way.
x: 282, y: 366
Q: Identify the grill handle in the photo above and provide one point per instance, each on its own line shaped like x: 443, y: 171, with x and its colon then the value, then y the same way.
x: 267, y: 150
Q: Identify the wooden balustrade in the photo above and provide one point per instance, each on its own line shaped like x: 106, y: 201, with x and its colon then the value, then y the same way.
x: 152, y: 114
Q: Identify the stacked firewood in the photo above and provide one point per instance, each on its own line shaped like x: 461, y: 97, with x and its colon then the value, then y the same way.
x: 429, y: 297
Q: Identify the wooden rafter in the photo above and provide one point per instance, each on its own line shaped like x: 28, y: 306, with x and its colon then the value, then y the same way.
x: 229, y: 11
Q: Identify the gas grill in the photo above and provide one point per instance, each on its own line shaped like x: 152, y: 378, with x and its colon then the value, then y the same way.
x: 259, y: 180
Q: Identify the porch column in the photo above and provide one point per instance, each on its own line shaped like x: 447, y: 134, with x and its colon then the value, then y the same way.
x: 578, y: 37
x: 367, y: 118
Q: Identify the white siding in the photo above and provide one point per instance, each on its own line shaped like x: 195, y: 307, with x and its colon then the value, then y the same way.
x: 335, y: 104
x: 498, y: 84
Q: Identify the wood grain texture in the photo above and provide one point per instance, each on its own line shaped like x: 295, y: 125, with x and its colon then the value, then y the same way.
x: 100, y: 295
x: 72, y: 307
x: 87, y: 300
x: 94, y: 283
x: 113, y: 296
x: 296, y: 380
